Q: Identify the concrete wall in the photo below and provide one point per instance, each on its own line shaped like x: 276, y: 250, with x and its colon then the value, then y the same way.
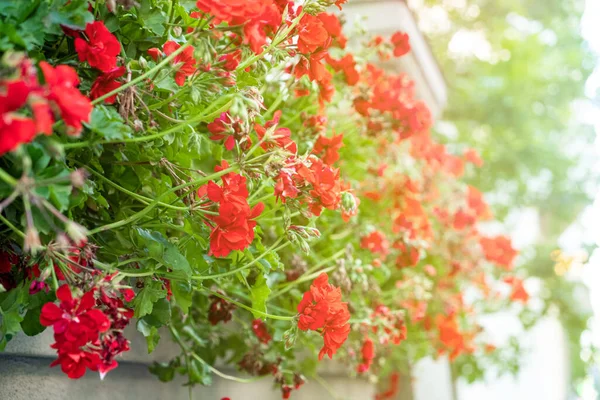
x: 25, y: 375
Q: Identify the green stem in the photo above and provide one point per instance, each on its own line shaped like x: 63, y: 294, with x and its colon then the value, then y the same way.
x: 6, y: 177
x: 11, y: 226
x: 155, y: 203
x: 246, y: 266
x: 193, y: 120
x: 143, y: 199
x: 245, y: 307
x: 148, y: 73
x: 223, y: 375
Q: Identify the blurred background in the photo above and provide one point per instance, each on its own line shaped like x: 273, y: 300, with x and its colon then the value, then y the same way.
x: 523, y: 88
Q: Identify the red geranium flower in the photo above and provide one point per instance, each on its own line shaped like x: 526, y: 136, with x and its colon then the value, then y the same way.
x: 101, y: 48
x: 75, y: 320
x: 281, y: 137
x: 74, y: 107
x: 14, y: 131
x: 376, y: 243
x: 285, y: 188
x: 260, y: 330
x: 400, y: 41
x: 518, y: 292
x: 322, y: 308
x: 106, y: 83
x: 312, y: 34
x: 368, y: 353
x: 499, y: 250
x: 330, y: 146
x: 258, y: 17
x: 184, y: 61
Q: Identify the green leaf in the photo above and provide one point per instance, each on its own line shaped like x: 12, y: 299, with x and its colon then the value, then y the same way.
x: 161, y: 313
x: 259, y: 294
x: 182, y: 292
x: 31, y: 322
x: 145, y: 299
x: 150, y: 333
x: 164, y: 251
x: 108, y: 124
x: 200, y: 373
x: 165, y: 372
x: 155, y: 22
x: 73, y: 14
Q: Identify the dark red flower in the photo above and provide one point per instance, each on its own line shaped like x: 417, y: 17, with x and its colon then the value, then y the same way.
x: 100, y: 49
x: 220, y: 310
x: 106, y: 83
x: 75, y: 320
x: 260, y: 330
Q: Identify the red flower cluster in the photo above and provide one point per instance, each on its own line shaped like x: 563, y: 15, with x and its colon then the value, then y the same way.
x: 368, y: 354
x: 388, y: 325
x: 325, y: 185
x: 518, y: 292
x: 400, y: 41
x: 390, y: 102
x: 100, y: 49
x: 219, y: 310
x: 258, y: 17
x: 329, y: 147
x: 499, y: 250
x: 106, y: 83
x: 234, y: 226
x: 59, y: 94
x: 453, y: 339
x: 85, y: 336
x: 280, y: 137
x: 260, y: 330
x: 322, y: 308
x: 184, y: 62
x: 376, y: 243
x: 347, y: 65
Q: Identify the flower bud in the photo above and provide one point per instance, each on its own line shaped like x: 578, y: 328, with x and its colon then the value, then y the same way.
x: 348, y: 202
x: 77, y: 233
x: 78, y: 177
x: 32, y: 240
x: 138, y: 125
x: 143, y: 63
x: 176, y: 31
